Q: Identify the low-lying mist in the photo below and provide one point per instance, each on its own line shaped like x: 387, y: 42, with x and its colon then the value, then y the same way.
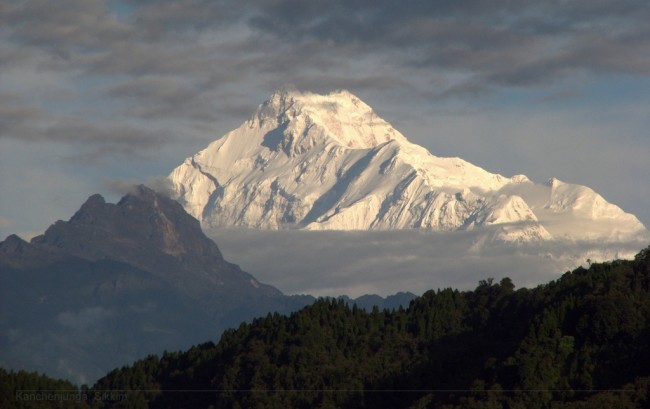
x: 332, y: 263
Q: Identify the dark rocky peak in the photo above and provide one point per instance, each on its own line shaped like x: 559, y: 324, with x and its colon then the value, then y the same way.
x: 12, y: 244
x: 163, y: 222
x: 13, y: 247
x: 142, y: 222
x: 152, y: 233
x: 93, y: 208
x: 94, y: 201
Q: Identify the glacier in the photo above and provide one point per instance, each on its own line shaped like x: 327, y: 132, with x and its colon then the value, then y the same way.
x: 329, y: 162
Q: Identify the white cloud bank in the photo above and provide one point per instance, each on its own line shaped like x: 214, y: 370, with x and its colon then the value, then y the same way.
x: 357, y: 263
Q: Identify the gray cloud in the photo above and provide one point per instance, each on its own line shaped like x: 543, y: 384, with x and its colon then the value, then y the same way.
x: 159, y: 19
x: 84, y: 131
x: 120, y: 187
x: 15, y: 115
x: 507, y: 43
x: 154, y: 97
x: 64, y: 26
x: 166, y: 59
x: 98, y: 141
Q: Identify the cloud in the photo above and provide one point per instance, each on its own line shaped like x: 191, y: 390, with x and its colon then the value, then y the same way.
x: 333, y: 263
x: 503, y: 44
x: 199, y: 60
x: 97, y: 142
x: 63, y: 26
x: 121, y: 187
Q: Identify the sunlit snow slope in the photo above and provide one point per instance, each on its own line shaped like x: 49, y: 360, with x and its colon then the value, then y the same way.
x: 328, y: 162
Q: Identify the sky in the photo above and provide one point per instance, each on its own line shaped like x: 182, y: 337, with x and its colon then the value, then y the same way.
x: 98, y: 94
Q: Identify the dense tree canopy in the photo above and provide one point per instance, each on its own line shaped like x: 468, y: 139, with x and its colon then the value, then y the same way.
x: 581, y: 341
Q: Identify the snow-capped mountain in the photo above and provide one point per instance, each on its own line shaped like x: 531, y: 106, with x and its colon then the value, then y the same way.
x: 328, y: 162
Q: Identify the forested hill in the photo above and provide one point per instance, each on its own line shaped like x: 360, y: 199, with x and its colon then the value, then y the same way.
x: 582, y: 341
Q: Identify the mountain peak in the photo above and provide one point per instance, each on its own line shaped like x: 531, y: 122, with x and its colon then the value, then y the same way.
x: 143, y: 221
x: 119, y: 280
x: 289, y: 95
x: 328, y: 162
x: 151, y: 232
x: 339, y: 117
x: 12, y: 244
x: 90, y: 206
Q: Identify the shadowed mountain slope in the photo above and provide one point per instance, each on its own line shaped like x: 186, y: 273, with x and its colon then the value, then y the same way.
x: 117, y: 282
